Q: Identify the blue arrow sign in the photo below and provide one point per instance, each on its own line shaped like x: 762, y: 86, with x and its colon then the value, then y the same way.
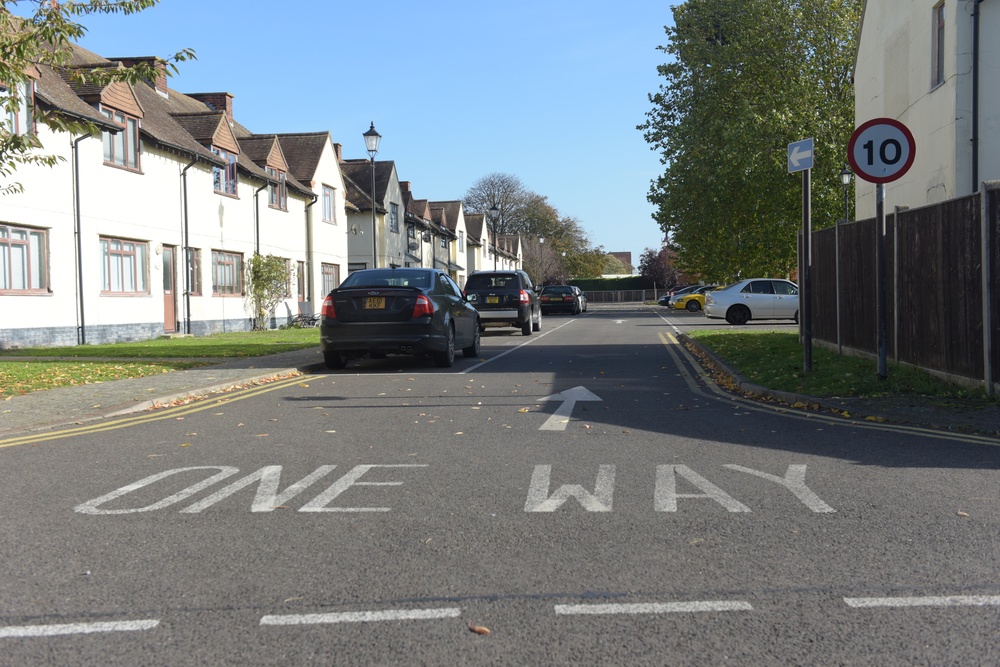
x: 800, y: 155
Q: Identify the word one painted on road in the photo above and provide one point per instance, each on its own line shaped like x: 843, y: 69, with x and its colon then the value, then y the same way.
x: 881, y: 150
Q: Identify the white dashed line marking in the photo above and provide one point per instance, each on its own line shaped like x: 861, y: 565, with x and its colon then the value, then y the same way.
x: 927, y: 601
x: 361, y: 616
x: 653, y: 608
x: 75, y: 628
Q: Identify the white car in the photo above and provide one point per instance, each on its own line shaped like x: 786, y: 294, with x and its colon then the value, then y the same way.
x: 754, y: 299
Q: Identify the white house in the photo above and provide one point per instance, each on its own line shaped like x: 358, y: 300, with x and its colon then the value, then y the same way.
x: 936, y: 68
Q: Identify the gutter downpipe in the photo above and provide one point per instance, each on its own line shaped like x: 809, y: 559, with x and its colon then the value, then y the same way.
x: 309, y: 254
x: 81, y: 329
x: 975, y: 94
x: 256, y: 219
x: 187, y: 249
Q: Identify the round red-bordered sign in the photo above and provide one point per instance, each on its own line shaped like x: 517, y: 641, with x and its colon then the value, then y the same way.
x: 881, y: 150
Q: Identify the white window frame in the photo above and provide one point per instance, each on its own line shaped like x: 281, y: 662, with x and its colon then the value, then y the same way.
x: 937, y: 44
x: 23, y: 260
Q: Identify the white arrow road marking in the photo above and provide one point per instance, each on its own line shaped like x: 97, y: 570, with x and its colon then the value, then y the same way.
x: 798, y: 155
x: 559, y: 418
x: 619, y: 321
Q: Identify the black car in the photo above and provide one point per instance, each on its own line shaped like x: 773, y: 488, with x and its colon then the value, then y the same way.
x: 414, y: 311
x: 561, y: 299
x: 505, y: 299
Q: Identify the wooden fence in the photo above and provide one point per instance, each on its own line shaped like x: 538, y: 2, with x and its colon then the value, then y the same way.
x: 942, y: 286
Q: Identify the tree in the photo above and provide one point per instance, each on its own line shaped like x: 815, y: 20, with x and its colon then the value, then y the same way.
x: 655, y: 267
x: 45, y: 39
x: 614, y: 266
x: 503, y: 191
x: 746, y: 78
x: 267, y: 281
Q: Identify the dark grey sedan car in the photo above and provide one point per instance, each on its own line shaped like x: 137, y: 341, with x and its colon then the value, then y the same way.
x: 414, y: 311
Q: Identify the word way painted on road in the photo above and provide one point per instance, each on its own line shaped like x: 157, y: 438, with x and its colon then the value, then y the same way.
x: 541, y: 497
x: 666, y: 495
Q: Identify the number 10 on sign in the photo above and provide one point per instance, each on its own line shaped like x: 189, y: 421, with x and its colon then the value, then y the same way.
x: 881, y: 150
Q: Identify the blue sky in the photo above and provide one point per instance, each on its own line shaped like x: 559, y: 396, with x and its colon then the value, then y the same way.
x: 547, y: 90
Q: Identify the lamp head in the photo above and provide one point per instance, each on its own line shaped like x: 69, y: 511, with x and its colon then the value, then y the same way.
x: 372, y: 138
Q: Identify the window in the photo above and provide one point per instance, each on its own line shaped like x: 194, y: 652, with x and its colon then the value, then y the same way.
x: 461, y: 241
x: 300, y: 274
x: 121, y: 148
x: 329, y: 204
x: 194, y: 271
x: 355, y: 266
x: 411, y: 232
x: 277, y: 194
x: 394, y: 218
x: 444, y: 241
x: 224, y: 178
x: 937, y: 45
x: 21, y: 121
x: 23, y: 259
x: 124, y: 266
x: 331, y: 277
x: 227, y: 273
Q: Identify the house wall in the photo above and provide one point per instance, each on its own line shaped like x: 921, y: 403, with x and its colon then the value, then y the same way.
x: 329, y: 239
x: 893, y: 79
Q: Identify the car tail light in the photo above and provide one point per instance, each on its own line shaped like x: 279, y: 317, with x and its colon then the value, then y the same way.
x: 708, y: 298
x: 327, y: 310
x: 524, y: 298
x: 544, y: 297
x: 423, y: 307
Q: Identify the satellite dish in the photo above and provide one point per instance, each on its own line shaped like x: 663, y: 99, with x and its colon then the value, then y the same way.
x: 355, y: 229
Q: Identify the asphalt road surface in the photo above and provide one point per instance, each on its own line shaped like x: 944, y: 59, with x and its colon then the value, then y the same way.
x: 579, y: 496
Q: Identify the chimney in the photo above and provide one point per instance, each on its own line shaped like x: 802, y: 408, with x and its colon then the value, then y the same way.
x: 338, y: 150
x: 404, y: 186
x: 218, y: 101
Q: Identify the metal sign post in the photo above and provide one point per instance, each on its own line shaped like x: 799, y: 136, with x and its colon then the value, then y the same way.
x: 800, y: 158
x: 880, y: 151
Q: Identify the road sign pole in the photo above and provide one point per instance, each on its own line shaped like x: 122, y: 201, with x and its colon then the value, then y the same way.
x: 805, y: 302
x: 883, y: 372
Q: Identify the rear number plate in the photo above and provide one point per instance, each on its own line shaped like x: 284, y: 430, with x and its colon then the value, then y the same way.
x: 492, y: 299
x: 374, y: 302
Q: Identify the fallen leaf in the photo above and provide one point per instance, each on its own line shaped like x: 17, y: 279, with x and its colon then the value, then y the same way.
x: 478, y: 629
x: 329, y: 431
x: 523, y: 410
x: 961, y: 513
x: 303, y: 384
x: 185, y: 444
x: 293, y: 599
x: 459, y: 433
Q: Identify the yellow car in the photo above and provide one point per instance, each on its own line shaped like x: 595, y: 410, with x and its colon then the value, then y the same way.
x: 692, y: 301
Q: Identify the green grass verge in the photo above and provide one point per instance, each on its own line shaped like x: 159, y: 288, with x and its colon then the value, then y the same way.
x: 239, y: 344
x: 22, y: 377
x: 774, y: 359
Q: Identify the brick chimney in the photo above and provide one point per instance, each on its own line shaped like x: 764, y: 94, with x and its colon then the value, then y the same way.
x: 218, y: 101
x: 338, y: 150
x: 404, y: 186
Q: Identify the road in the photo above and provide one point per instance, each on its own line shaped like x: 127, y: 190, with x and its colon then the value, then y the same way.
x: 584, y: 494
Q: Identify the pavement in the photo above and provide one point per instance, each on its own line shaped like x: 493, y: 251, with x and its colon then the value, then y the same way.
x: 54, y: 408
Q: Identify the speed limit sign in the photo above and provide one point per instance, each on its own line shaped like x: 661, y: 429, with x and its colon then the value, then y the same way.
x: 881, y: 150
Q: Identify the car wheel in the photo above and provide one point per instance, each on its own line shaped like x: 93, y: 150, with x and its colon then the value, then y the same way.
x: 738, y: 315
x: 473, y: 350
x: 796, y: 318
x: 693, y: 306
x: 335, y: 360
x: 527, y: 325
x: 446, y: 358
x: 537, y: 325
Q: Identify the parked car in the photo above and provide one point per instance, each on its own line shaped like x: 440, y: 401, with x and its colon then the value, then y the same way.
x: 505, y: 299
x: 582, y: 296
x: 754, y: 299
x: 561, y: 299
x: 692, y: 301
x: 666, y: 298
x: 414, y: 311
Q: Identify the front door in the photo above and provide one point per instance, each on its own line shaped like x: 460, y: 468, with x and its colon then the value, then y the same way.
x: 169, y: 297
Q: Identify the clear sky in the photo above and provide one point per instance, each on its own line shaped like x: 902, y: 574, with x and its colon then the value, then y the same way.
x: 547, y: 90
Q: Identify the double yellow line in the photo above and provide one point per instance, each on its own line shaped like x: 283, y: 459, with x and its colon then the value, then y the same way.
x: 157, y: 414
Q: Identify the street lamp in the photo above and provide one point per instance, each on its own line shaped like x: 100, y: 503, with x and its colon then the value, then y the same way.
x: 372, y: 137
x: 845, y: 179
x: 494, y: 213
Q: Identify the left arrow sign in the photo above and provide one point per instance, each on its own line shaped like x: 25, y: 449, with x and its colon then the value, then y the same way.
x: 800, y: 156
x: 569, y: 398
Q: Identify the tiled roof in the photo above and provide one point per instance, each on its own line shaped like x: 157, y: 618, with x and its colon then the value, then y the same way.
x: 451, y: 211
x: 360, y: 173
x: 303, y: 151
x: 474, y: 224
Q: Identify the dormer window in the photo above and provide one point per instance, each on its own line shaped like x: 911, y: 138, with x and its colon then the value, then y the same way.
x: 277, y: 194
x: 21, y: 121
x: 121, y: 148
x: 224, y: 178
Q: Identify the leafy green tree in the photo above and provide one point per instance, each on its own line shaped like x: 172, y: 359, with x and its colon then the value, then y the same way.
x: 655, y: 267
x: 744, y: 79
x: 41, y: 34
x: 267, y: 281
x: 614, y: 266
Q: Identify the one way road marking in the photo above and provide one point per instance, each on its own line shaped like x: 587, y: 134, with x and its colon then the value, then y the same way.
x: 559, y: 418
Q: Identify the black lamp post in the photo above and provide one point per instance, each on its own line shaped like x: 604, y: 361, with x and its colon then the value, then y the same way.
x: 494, y: 212
x: 371, y: 144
